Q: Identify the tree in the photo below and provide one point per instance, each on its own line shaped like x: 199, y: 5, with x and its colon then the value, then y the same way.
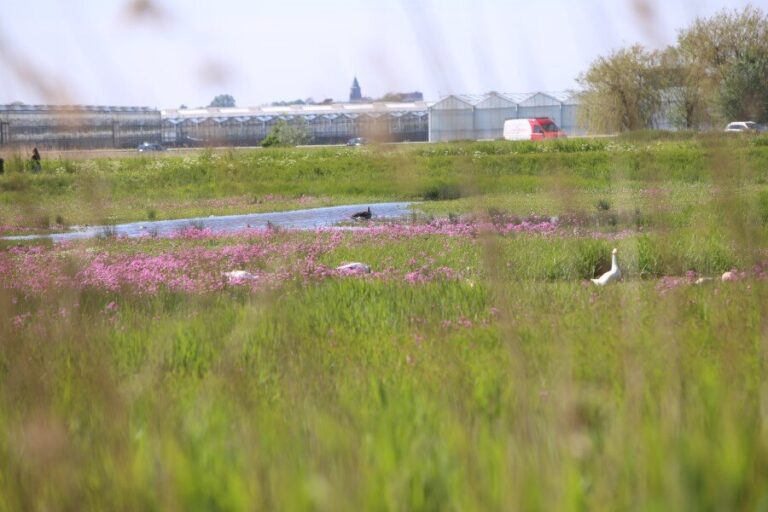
x: 402, y: 96
x: 744, y: 92
x: 288, y: 103
x: 391, y: 96
x: 284, y: 134
x: 621, y: 91
x: 684, y: 99
x: 223, y: 101
x: 716, y: 43
x: 716, y: 72
x: 720, y: 54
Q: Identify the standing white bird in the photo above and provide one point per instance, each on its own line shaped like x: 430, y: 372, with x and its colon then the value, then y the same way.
x: 612, y: 275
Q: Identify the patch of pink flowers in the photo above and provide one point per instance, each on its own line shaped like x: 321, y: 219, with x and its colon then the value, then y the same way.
x: 668, y: 283
x: 464, y: 228
x: 200, y: 261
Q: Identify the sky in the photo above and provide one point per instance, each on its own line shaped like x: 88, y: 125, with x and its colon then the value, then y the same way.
x: 165, y: 53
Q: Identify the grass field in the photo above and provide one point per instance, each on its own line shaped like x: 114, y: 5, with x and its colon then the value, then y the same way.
x: 475, y: 368
x: 570, y: 175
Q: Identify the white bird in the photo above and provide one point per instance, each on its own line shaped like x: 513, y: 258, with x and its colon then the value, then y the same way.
x: 612, y: 275
x: 354, y: 268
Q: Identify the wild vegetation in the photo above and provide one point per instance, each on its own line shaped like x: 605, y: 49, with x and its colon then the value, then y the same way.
x: 475, y: 367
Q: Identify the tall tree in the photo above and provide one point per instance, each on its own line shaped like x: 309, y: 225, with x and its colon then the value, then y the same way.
x: 621, y: 91
x: 684, y: 98
x: 223, y: 101
x: 715, y: 49
x: 744, y: 92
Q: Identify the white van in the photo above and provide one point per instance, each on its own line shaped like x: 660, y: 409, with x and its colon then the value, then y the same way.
x: 537, y: 128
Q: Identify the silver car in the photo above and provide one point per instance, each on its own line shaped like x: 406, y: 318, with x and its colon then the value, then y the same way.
x: 743, y: 126
x: 149, y: 146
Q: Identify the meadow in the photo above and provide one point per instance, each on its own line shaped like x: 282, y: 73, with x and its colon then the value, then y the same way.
x: 520, y: 178
x: 475, y: 368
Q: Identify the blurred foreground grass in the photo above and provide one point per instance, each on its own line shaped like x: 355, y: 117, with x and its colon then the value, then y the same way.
x: 364, y: 395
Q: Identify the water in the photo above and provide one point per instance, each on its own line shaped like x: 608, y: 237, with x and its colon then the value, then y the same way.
x: 296, y: 219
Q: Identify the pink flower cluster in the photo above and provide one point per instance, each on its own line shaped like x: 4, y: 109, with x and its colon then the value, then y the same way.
x: 198, y: 261
x: 190, y: 268
x: 426, y: 274
x: 668, y: 283
x: 462, y: 228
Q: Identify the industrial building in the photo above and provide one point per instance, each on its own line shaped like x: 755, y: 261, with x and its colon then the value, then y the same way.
x: 468, y: 117
x: 78, y: 126
x: 325, y: 124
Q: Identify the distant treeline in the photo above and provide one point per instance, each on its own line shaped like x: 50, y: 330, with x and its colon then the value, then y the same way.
x: 715, y: 73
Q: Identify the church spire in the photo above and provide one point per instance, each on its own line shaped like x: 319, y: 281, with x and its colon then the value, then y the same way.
x: 355, y: 94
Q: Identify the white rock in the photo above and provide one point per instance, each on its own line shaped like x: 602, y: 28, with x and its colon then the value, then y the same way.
x: 236, y: 276
x: 354, y: 267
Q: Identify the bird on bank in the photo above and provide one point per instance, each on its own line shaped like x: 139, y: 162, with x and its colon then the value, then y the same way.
x: 366, y: 214
x: 612, y: 275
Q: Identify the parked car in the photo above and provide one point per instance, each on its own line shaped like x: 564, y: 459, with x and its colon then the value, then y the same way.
x: 357, y: 141
x: 537, y: 128
x: 744, y: 127
x: 149, y: 146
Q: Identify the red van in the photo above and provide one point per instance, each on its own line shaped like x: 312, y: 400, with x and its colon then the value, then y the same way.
x: 536, y: 128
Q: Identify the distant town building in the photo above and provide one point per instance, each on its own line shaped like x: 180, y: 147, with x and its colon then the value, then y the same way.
x: 355, y: 93
x: 412, y: 96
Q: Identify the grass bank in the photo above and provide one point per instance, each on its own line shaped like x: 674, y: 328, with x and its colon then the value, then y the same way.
x: 538, y: 177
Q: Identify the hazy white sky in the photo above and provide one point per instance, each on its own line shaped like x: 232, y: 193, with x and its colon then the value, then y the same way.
x: 163, y: 53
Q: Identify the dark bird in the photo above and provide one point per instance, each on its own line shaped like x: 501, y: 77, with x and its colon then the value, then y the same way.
x: 362, y: 215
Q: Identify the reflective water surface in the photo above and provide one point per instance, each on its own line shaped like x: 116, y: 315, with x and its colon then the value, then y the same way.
x: 296, y: 219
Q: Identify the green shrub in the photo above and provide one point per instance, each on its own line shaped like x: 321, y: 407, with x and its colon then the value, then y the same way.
x: 441, y: 192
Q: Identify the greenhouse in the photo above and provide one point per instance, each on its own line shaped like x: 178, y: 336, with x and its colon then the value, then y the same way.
x: 77, y: 126
x: 324, y: 124
x: 468, y: 117
x: 455, y: 117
